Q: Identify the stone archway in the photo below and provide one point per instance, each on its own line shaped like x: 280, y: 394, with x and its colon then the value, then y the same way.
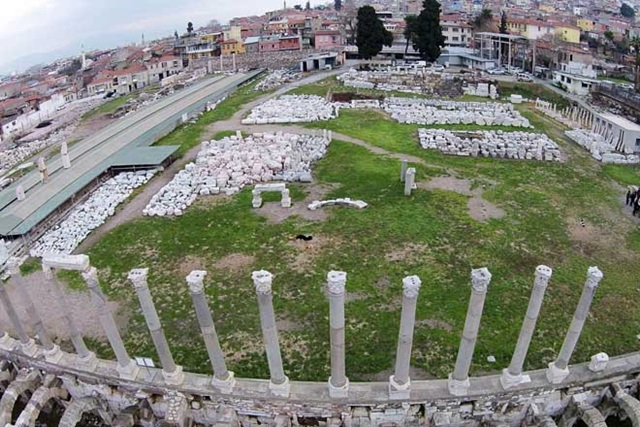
x: 23, y: 383
x: 78, y: 407
x: 38, y: 401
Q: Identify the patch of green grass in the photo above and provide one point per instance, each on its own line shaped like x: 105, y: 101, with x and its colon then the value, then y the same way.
x: 30, y: 266
x: 72, y: 279
x: 532, y: 91
x: 619, y: 80
x: 109, y: 106
x: 623, y: 175
x: 189, y: 135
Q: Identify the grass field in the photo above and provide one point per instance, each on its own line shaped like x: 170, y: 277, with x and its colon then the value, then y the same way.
x: 109, y: 106
x: 430, y: 234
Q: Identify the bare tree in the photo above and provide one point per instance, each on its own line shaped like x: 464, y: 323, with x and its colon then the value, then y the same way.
x: 349, y: 21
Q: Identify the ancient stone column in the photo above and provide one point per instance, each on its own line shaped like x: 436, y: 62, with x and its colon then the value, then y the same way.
x: 64, y: 155
x: 403, y: 169
x: 559, y: 369
x: 399, y: 382
x: 86, y: 358
x: 127, y: 367
x: 279, y: 383
x: 338, y: 381
x: 409, y: 181
x: 20, y: 193
x: 27, y: 345
x: 512, y: 376
x: 51, y: 351
x: 459, y: 379
x: 223, y: 379
x: 171, y: 372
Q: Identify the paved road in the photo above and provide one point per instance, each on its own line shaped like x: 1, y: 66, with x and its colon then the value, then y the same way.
x: 89, y: 153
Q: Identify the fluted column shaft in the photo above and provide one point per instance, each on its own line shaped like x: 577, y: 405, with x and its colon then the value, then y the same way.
x: 13, y: 316
x: 34, y: 318
x: 74, y: 331
x: 207, y: 327
x: 262, y: 280
x: 594, y: 275
x: 411, y: 287
x: 542, y: 276
x: 106, y: 319
x: 336, y: 281
x: 139, y: 279
x: 480, y: 279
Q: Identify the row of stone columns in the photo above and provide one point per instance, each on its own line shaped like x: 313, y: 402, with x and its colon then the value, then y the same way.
x: 338, y: 384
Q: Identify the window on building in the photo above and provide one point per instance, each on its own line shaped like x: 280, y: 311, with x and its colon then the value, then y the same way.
x: 637, y: 144
x: 455, y: 39
x: 455, y: 30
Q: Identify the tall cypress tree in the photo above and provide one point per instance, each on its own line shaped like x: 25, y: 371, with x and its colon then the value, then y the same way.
x: 428, y: 38
x: 337, y: 5
x: 371, y: 35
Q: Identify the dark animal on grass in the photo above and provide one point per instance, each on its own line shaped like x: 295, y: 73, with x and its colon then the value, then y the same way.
x: 303, y: 237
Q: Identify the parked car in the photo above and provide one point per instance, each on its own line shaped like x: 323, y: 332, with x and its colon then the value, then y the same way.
x: 437, y: 68
x: 497, y: 71
x: 524, y: 77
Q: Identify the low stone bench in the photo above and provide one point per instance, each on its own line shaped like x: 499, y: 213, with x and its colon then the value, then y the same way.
x: 279, y: 186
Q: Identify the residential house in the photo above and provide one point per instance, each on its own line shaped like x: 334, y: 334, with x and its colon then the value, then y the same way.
x: 290, y: 43
x: 327, y: 39
x: 232, y: 46
x: 165, y: 66
x: 537, y: 29
x: 456, y: 30
x: 252, y: 45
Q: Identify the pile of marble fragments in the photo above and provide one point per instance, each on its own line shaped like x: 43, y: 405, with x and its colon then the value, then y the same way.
x: 292, y: 109
x: 499, y: 144
x: 409, y: 81
x: 600, y: 148
x: 10, y: 157
x: 228, y: 165
x: 484, y: 90
x: 91, y: 214
x: 440, y: 112
x: 277, y: 78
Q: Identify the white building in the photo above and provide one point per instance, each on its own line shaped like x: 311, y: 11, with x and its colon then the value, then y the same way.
x: 623, y: 134
x: 456, y: 31
x: 573, y: 84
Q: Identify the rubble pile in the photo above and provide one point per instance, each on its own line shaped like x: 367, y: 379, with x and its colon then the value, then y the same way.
x: 234, y: 162
x: 292, y: 109
x: 64, y: 238
x: 484, y: 90
x: 440, y: 112
x: 407, y: 80
x: 497, y: 144
x: 600, y: 148
x: 277, y: 78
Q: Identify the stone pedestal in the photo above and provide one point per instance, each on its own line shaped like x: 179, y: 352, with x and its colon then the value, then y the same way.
x: 599, y: 362
x: 399, y: 391
x: 556, y: 375
x: 409, y: 181
x: 286, y: 199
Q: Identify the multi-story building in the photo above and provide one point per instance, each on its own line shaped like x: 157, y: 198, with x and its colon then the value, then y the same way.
x: 326, y: 39
x: 233, y: 46
x: 533, y: 29
x: 163, y: 67
x: 456, y: 30
x: 252, y: 45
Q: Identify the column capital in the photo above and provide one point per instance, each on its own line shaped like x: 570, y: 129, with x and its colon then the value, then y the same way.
x: 594, y: 275
x: 195, y: 280
x: 480, y: 278
x: 262, y: 280
x: 336, y: 282
x: 543, y: 274
x: 90, y: 276
x: 411, y: 286
x: 13, y: 265
x: 138, y: 277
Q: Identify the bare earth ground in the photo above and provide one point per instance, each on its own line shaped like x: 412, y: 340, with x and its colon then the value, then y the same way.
x: 479, y: 209
x: 275, y: 213
x: 82, y: 309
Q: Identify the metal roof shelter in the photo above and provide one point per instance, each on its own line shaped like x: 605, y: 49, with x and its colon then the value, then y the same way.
x: 125, y: 143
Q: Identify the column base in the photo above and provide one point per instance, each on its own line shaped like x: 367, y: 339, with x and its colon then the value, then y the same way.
x: 7, y: 343
x: 281, y: 390
x: 88, y: 362
x: 458, y: 387
x: 397, y: 391
x: 556, y: 375
x: 129, y: 372
x: 173, y: 378
x: 508, y: 380
x: 286, y: 202
x: 54, y: 355
x: 339, y: 392
x: 29, y: 348
x: 224, y: 386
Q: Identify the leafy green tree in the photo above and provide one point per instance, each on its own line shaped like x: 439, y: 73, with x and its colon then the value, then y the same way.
x: 627, y: 11
x: 635, y: 43
x: 337, y: 5
x: 503, y: 23
x: 427, y: 37
x: 409, y: 30
x: 371, y: 34
x: 483, y: 20
x: 609, y: 36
